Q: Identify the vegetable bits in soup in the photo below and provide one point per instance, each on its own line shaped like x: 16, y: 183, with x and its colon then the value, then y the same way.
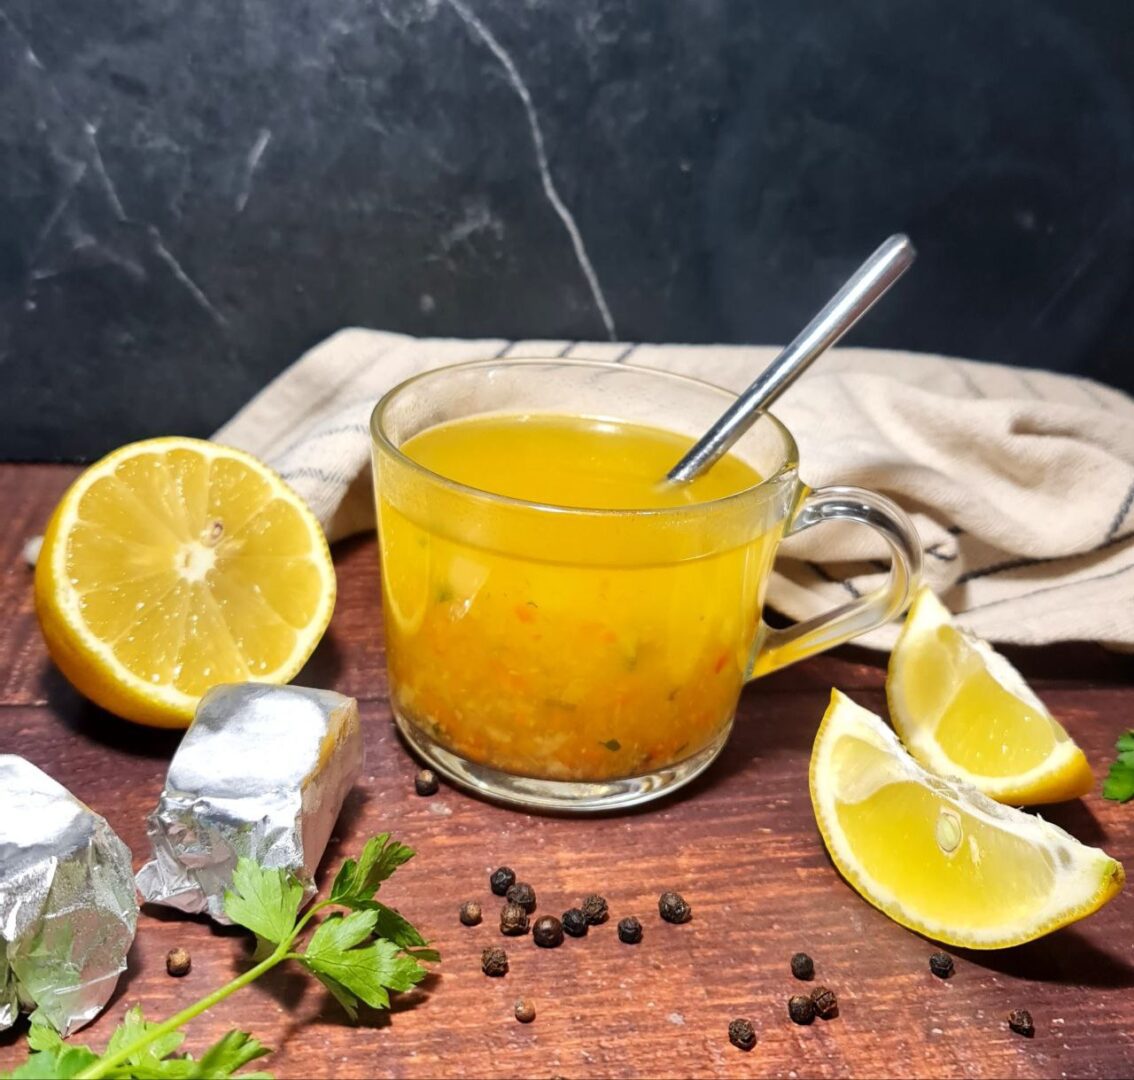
x: 567, y: 640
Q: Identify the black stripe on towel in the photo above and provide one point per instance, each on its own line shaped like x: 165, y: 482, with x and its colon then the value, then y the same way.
x: 1123, y: 510
x: 969, y: 381
x: 341, y: 429
x: 933, y: 553
x: 1051, y: 588
x: 1020, y: 564
x: 848, y: 585
x: 309, y: 472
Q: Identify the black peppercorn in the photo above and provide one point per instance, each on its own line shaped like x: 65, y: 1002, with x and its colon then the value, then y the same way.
x: 178, y: 962
x: 523, y: 894
x: 501, y: 880
x: 470, y: 913
x: 594, y: 909
x: 941, y: 964
x: 673, y: 908
x: 525, y: 1011
x: 575, y: 922
x: 1020, y: 1021
x: 513, y: 920
x: 425, y: 783
x: 802, y: 966
x: 742, y: 1034
x: 547, y: 932
x: 825, y: 1002
x: 629, y: 930
x: 494, y: 962
x: 801, y: 1009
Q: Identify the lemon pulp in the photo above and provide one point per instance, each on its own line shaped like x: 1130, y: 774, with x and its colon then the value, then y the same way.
x: 174, y: 565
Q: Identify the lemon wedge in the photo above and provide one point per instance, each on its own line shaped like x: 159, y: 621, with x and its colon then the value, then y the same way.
x: 963, y: 710
x: 936, y: 855
x: 174, y: 564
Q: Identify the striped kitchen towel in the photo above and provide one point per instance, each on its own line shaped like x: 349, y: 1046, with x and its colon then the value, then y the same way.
x: 1021, y: 482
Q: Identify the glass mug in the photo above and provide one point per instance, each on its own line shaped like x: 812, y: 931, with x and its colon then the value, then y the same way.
x: 588, y: 659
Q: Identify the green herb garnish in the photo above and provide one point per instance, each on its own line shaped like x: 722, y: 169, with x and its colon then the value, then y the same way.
x: 1119, y: 783
x: 613, y: 745
x: 140, y: 1050
x: 359, y: 956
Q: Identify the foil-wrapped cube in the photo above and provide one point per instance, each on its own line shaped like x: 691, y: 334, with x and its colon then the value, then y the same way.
x: 67, y: 903
x: 262, y: 771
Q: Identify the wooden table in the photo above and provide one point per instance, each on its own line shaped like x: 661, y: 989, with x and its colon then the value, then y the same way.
x: 740, y: 843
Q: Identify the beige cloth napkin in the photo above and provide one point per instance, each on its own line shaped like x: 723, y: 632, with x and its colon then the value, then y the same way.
x: 1021, y: 482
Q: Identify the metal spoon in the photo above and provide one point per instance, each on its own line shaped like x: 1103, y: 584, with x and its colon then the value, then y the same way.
x: 867, y: 285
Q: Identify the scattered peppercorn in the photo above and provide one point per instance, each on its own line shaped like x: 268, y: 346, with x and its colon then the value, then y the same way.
x: 425, y: 783
x: 470, y: 913
x: 513, y: 920
x: 629, y: 930
x: 547, y: 932
x: 501, y: 880
x: 575, y: 922
x: 523, y: 894
x: 525, y: 1011
x: 825, y: 1002
x: 178, y: 962
x: 801, y: 1009
x: 494, y: 962
x: 803, y: 967
x: 1020, y: 1021
x: 594, y: 909
x: 673, y: 908
x: 742, y: 1034
x: 941, y: 964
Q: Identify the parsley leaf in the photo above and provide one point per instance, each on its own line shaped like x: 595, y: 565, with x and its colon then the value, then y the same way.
x: 1119, y: 783
x: 229, y: 1053
x: 340, y: 993
x: 357, y: 882
x: 53, y: 1058
x: 367, y: 971
x: 393, y: 926
x: 42, y: 1036
x: 337, y: 933
x: 264, y: 901
x: 134, y: 1025
x: 59, y: 1063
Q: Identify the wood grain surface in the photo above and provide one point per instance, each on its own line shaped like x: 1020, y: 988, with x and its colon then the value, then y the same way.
x: 740, y: 844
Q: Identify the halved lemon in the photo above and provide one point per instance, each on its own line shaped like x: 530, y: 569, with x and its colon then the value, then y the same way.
x: 963, y: 710
x: 936, y: 855
x: 175, y: 564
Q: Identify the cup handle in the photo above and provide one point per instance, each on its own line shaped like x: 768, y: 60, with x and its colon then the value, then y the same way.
x: 778, y: 648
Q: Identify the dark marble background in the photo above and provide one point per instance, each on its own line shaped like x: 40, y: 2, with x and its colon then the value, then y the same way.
x: 193, y: 192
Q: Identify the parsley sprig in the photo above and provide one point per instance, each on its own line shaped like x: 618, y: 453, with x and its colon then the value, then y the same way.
x: 359, y: 955
x: 1119, y: 783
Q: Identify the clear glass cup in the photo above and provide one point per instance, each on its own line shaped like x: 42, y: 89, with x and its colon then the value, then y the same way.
x: 576, y: 659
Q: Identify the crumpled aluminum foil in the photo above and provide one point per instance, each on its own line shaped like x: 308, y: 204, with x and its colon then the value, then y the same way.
x: 67, y: 903
x: 262, y: 771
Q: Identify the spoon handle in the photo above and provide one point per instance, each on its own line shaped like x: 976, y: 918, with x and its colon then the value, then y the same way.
x: 869, y: 282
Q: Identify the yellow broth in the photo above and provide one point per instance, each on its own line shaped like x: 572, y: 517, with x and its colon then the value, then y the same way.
x: 578, y: 646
